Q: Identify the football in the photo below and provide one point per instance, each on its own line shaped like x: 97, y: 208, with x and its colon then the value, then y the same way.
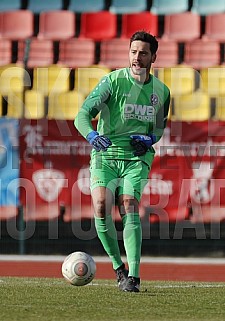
x: 79, y: 268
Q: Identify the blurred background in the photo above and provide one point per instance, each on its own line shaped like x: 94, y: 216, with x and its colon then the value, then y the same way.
x: 52, y: 54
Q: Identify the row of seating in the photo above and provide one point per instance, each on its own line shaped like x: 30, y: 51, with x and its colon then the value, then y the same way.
x: 61, y: 24
x: 50, y: 93
x: 57, y: 79
x: 113, y: 53
x: 197, y: 106
x: 159, y: 7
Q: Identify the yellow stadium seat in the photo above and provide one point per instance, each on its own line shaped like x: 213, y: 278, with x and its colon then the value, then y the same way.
x: 15, y: 105
x: 65, y: 105
x: 220, y: 108
x: 13, y: 78
x: 87, y: 78
x: 191, y: 107
x: 34, y: 105
x: 180, y: 80
x: 213, y: 81
x: 52, y: 79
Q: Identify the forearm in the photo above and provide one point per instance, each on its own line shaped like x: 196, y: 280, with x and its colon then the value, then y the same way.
x: 83, y: 123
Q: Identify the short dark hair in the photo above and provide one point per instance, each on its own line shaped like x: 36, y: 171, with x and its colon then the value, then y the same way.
x: 145, y: 37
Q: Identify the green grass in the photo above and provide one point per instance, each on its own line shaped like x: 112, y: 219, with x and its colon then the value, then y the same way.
x: 45, y: 299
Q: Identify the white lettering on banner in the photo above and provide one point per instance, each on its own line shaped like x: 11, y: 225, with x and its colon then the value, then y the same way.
x: 157, y: 186
x: 49, y: 183
x: 84, y: 180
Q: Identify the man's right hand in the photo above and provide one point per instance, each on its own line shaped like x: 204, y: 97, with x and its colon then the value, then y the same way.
x: 99, y: 142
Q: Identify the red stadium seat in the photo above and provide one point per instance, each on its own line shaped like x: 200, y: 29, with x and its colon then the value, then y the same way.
x: 98, y: 26
x: 5, y: 51
x: 182, y: 27
x: 202, y: 53
x: 215, y: 27
x: 114, y: 53
x: 16, y: 24
x: 40, y: 52
x: 57, y: 25
x: 167, y: 54
x: 139, y: 21
x: 77, y: 52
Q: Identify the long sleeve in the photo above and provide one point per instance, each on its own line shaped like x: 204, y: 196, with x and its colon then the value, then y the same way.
x: 92, y: 105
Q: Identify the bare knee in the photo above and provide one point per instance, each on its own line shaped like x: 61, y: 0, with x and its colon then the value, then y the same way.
x: 127, y: 205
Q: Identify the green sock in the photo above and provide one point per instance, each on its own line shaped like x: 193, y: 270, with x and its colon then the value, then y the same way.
x: 132, y: 235
x: 108, y: 236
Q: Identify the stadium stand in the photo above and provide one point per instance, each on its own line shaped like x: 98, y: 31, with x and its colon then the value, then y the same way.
x: 202, y: 53
x: 191, y: 107
x: 220, y: 108
x: 215, y: 27
x: 114, y: 53
x: 11, y: 79
x: 128, y: 6
x: 16, y: 24
x: 139, y: 21
x: 34, y: 106
x: 65, y: 105
x: 5, y: 52
x: 98, y: 26
x: 86, y: 6
x: 76, y: 52
x: 167, y: 55
x: 14, y: 105
x: 205, y: 7
x: 57, y: 25
x: 87, y: 78
x: 50, y: 80
x: 180, y: 79
x: 6, y: 5
x: 213, y: 81
x: 42, y: 5
x: 41, y: 52
x: 182, y: 27
x: 167, y: 7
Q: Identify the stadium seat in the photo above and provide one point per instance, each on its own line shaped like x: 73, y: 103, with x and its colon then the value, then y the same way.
x: 114, y: 53
x: 16, y: 24
x: 87, y: 78
x: 182, y: 27
x: 34, y: 105
x: 180, y: 79
x: 167, y: 54
x: 139, y: 21
x: 6, y: 5
x: 39, y: 52
x: 98, y: 26
x: 57, y: 25
x: 220, y: 108
x: 205, y: 7
x: 213, y: 81
x: 11, y: 79
x: 86, y: 6
x: 52, y: 79
x: 5, y: 52
x: 215, y: 27
x: 42, y: 5
x: 128, y: 6
x: 14, y: 105
x: 191, y: 107
x: 76, y: 52
x: 167, y: 7
x: 202, y: 53
x: 65, y: 105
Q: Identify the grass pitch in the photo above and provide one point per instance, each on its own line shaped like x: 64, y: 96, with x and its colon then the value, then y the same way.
x: 45, y: 299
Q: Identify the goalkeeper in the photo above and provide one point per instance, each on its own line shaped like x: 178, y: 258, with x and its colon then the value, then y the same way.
x: 133, y: 106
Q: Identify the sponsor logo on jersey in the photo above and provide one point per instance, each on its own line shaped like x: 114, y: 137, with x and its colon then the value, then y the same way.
x: 154, y: 99
x: 139, y: 112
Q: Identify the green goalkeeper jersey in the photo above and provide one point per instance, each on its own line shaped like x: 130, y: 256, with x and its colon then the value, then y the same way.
x: 126, y: 107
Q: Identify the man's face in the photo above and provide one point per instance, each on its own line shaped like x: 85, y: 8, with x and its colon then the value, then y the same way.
x: 140, y: 58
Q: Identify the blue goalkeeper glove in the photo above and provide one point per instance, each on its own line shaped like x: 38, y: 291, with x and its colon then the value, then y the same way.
x: 142, y: 143
x: 99, y: 142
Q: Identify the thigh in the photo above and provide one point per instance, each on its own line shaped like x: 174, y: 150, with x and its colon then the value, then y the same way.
x: 103, y: 200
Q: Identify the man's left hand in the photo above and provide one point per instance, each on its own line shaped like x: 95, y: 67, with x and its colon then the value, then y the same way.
x: 142, y: 143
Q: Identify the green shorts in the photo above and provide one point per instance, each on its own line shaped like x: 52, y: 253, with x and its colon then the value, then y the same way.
x: 120, y: 176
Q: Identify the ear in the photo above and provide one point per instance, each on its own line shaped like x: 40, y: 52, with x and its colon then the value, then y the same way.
x: 154, y: 58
